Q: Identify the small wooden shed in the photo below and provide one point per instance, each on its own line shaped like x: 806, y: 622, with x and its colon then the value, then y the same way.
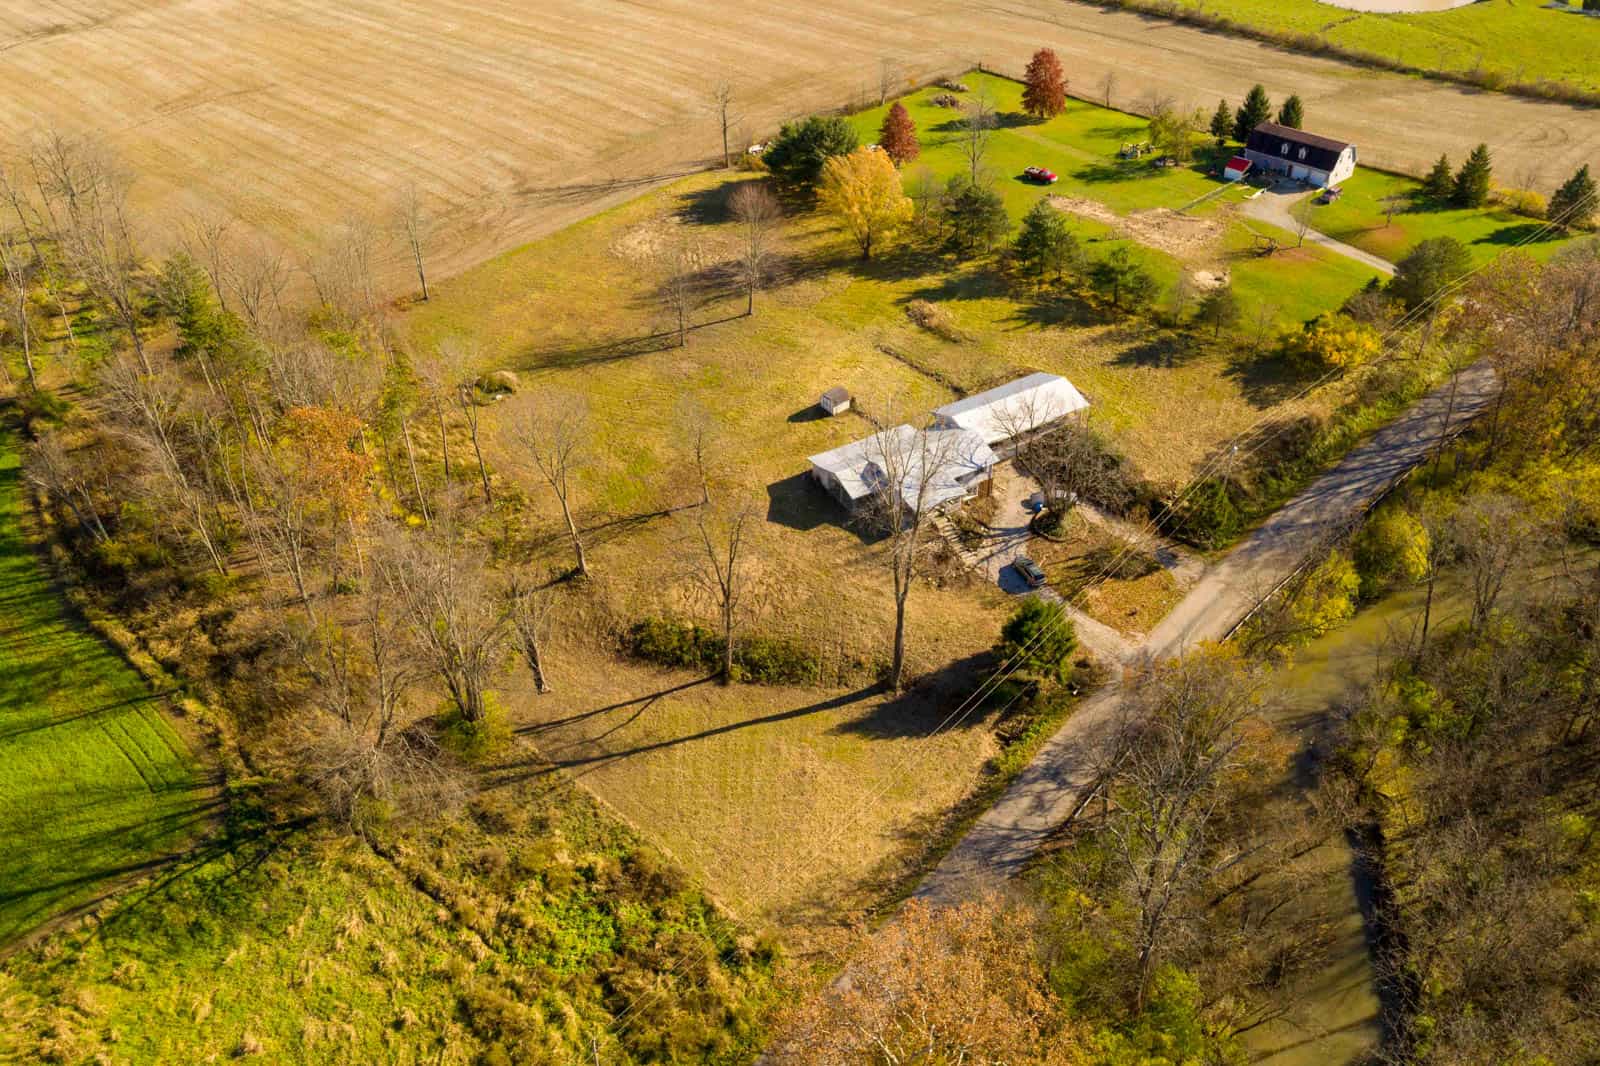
x: 836, y: 401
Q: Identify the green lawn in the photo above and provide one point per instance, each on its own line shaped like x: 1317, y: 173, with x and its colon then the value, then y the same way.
x: 1357, y: 218
x: 1080, y: 145
x: 1518, y: 39
x: 94, y: 783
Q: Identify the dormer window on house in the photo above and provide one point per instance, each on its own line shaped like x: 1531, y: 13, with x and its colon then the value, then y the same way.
x: 1302, y: 153
x: 1283, y: 149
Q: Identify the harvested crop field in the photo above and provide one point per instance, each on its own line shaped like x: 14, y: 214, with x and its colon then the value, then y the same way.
x: 515, y: 118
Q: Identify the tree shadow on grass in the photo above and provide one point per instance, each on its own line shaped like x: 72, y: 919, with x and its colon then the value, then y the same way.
x: 1263, y: 378
x: 1162, y: 350
x: 707, y: 206
x: 576, y: 760
x: 1124, y: 170
x: 903, y: 263
x: 1522, y: 233
x: 948, y: 698
x: 1048, y: 308
x: 982, y: 283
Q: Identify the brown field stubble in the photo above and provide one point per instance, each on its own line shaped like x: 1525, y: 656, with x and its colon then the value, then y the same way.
x: 515, y: 118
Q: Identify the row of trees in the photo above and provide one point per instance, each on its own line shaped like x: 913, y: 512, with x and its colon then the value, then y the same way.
x: 1256, y: 109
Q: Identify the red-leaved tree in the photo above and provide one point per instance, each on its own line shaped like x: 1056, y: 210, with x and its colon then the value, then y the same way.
x: 898, y: 136
x: 1046, y: 93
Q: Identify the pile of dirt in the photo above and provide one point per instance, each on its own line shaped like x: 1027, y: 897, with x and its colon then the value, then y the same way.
x: 1161, y: 228
x: 1206, y: 280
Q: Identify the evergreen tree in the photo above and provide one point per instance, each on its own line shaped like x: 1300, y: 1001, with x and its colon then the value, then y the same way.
x: 1124, y: 280
x: 977, y: 216
x: 1292, y: 113
x: 1577, y: 202
x: 1222, y: 123
x: 1255, y: 110
x: 797, y: 154
x: 1472, y: 180
x: 1219, y: 309
x: 1039, y: 637
x: 1045, y: 246
x: 1429, y: 269
x: 1440, y: 184
x: 898, y: 135
x: 1044, y: 93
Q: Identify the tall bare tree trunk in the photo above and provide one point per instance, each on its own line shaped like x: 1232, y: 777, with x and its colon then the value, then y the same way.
x: 411, y: 460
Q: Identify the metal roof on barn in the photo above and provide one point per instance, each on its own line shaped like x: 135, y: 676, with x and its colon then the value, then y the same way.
x: 1026, y: 403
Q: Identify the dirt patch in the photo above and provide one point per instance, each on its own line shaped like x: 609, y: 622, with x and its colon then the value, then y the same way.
x: 1161, y: 228
x: 647, y: 241
x: 1206, y: 280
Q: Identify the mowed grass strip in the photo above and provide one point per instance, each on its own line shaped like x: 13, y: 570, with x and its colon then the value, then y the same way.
x: 1360, y: 217
x: 1522, y: 40
x: 94, y: 783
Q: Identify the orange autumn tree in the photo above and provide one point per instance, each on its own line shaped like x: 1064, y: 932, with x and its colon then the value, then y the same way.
x: 1045, y: 92
x: 898, y: 135
x: 310, y: 485
x: 962, y: 984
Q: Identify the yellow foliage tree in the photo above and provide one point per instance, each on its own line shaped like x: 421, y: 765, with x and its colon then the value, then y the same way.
x: 1328, y: 597
x: 1332, y: 342
x: 863, y: 190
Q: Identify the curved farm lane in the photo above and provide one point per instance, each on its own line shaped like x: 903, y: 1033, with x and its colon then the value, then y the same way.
x: 1046, y: 794
x: 514, y: 118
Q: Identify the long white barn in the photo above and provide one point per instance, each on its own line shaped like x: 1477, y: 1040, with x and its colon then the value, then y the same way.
x: 955, y: 455
x: 940, y: 465
x: 1014, y: 409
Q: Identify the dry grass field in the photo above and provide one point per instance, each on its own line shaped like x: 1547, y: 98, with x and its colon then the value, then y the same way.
x: 795, y: 805
x: 515, y: 118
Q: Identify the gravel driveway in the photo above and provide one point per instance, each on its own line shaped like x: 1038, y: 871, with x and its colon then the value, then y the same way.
x: 1274, y: 206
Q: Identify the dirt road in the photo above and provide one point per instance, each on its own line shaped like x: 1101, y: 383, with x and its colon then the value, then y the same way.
x: 1046, y: 793
x: 516, y: 117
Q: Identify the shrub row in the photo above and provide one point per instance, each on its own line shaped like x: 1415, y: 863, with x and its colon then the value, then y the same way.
x: 756, y: 659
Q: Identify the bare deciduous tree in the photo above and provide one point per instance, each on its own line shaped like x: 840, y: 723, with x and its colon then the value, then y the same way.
x: 554, y: 434
x: 1491, y: 532
x: 962, y: 984
x: 756, y: 210
x: 458, y: 619
x: 15, y: 267
x: 415, y: 227
x: 85, y: 193
x: 723, y: 530
x: 151, y: 406
x: 679, y: 292
x: 1184, y: 743
x: 911, y: 473
x: 977, y: 129
x: 1108, y: 85
x: 57, y: 473
x: 720, y: 101
x: 531, y: 607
